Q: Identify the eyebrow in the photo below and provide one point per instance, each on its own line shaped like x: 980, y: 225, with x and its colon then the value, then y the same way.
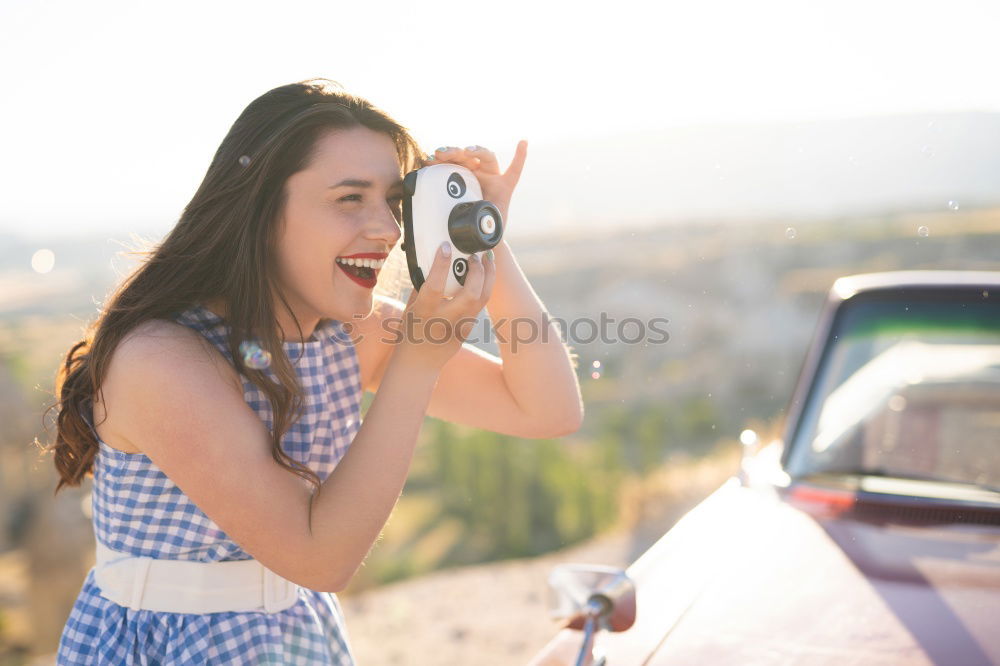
x: 355, y: 182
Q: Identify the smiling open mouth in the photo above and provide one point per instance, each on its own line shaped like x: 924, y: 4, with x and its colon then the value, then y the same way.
x: 362, y: 270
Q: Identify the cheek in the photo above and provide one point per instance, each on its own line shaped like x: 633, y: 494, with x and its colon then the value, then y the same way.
x: 304, y: 252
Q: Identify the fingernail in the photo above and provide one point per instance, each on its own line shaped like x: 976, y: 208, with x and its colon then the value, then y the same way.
x: 474, y: 257
x: 442, y: 149
x: 472, y: 147
x: 429, y: 158
x: 489, y: 253
x: 446, y: 248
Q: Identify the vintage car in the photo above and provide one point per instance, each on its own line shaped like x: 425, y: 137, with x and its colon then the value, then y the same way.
x: 869, y: 533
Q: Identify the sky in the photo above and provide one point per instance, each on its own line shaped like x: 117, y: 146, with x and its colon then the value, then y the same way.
x: 111, y: 111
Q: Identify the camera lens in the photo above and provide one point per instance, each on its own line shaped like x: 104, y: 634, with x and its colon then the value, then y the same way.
x: 487, y: 224
x: 475, y: 226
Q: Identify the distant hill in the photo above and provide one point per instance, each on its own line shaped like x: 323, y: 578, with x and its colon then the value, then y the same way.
x: 828, y: 168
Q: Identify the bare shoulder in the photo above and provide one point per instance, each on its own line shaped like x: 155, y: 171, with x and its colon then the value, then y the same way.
x: 160, y: 344
x: 156, y: 336
x: 157, y: 354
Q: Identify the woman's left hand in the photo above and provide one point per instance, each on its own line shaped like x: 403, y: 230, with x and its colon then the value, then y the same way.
x: 497, y: 187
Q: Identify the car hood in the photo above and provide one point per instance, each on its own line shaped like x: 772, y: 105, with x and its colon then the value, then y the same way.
x: 747, y: 578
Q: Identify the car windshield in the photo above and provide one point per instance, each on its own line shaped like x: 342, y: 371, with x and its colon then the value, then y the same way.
x: 909, y: 386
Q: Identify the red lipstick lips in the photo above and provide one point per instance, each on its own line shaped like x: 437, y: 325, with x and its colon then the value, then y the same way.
x: 365, y: 255
x: 367, y: 283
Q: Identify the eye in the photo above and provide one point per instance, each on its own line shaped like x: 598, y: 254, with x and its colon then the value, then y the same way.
x: 350, y: 197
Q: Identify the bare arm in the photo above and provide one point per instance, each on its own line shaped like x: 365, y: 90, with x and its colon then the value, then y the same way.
x: 359, y: 496
x: 531, y: 391
x: 537, y: 368
x: 180, y: 404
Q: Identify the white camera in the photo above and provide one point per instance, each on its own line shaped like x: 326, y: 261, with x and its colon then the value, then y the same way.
x: 444, y: 202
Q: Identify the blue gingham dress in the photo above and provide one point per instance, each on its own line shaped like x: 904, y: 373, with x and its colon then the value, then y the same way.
x: 138, y: 510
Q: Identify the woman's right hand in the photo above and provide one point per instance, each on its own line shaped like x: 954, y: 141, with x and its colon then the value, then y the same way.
x: 434, y: 327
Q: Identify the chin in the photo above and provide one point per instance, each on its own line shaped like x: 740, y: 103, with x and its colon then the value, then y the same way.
x: 357, y: 308
x: 347, y: 302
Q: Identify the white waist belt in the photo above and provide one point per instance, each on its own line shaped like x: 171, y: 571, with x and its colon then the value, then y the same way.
x: 179, y: 586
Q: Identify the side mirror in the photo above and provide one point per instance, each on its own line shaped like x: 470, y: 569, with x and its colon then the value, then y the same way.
x: 591, y: 597
x: 573, y: 586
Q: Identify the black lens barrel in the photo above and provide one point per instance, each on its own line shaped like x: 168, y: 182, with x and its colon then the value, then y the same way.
x: 475, y: 226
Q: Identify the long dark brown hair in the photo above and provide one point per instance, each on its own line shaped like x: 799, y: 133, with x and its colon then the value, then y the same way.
x: 222, y: 248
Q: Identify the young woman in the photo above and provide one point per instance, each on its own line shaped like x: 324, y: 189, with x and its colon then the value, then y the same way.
x: 216, y: 399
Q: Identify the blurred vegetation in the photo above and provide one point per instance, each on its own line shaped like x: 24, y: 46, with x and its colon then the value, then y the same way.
x: 475, y: 496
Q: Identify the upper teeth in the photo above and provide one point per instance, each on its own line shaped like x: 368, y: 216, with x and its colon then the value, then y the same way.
x: 366, y: 263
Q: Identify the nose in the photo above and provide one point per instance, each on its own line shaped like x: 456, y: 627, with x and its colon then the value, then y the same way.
x: 384, y: 227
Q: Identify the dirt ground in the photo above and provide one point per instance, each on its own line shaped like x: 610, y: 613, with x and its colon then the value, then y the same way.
x: 494, y: 613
